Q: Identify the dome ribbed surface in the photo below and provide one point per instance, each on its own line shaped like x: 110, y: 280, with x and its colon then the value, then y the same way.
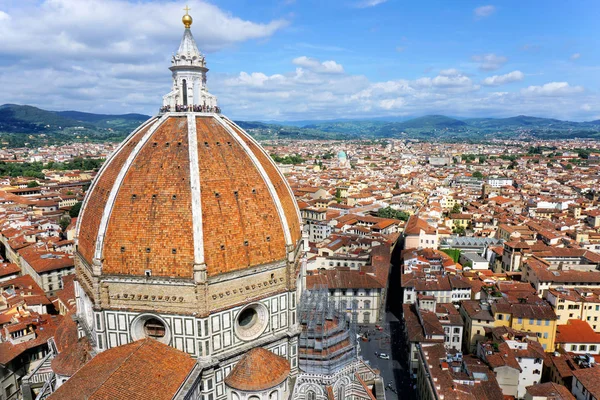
x: 259, y: 369
x: 187, y: 189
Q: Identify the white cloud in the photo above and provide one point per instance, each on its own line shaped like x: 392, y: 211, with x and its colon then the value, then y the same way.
x: 586, y: 107
x: 455, y: 82
x: 370, y: 3
x: 106, y: 55
x: 575, y: 56
x: 93, y: 56
x: 552, y: 89
x: 489, y: 62
x: 400, y: 49
x: 450, y: 72
x: 105, y: 29
x: 484, y: 11
x: 389, y: 104
x: 325, y: 67
x: 498, y: 80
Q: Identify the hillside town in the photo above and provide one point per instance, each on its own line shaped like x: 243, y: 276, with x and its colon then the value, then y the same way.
x: 489, y: 253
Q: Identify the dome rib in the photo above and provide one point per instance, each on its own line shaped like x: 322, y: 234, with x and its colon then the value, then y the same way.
x: 117, y: 186
x: 87, y: 244
x: 265, y: 177
x: 196, y: 189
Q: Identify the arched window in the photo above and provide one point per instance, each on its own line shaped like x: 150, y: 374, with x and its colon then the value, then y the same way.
x: 367, y: 304
x: 274, y: 395
x: 341, y: 392
x: 310, y: 395
x: 185, y: 99
x: 253, y: 398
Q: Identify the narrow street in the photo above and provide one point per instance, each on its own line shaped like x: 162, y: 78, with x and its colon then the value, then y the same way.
x: 391, y: 340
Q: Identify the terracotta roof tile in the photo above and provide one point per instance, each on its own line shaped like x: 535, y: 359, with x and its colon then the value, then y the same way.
x: 146, y: 369
x: 258, y: 369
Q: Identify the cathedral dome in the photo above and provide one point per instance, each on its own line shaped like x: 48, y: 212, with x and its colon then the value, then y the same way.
x: 187, y: 189
x: 188, y: 194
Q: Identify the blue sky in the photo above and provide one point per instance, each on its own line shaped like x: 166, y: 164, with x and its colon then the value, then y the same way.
x: 298, y: 60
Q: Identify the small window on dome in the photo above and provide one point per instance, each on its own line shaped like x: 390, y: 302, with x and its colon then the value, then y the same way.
x: 174, y: 197
x: 178, y: 143
x: 154, y: 144
x: 148, y: 272
x: 235, y: 193
x: 122, y: 249
x: 218, y: 143
x: 245, y: 243
x: 153, y: 197
x: 147, y: 249
x: 217, y: 195
x: 253, y: 191
x: 228, y: 143
x: 222, y: 247
x: 206, y: 144
x: 167, y: 144
x: 133, y: 196
x: 174, y: 251
x: 268, y: 238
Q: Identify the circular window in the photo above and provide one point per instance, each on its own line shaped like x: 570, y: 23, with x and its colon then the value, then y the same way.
x: 150, y: 326
x: 247, y: 318
x: 251, y: 321
x: 154, y: 328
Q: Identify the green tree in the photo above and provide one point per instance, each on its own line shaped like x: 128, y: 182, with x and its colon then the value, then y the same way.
x: 456, y: 209
x: 389, y: 212
x: 569, y: 167
x: 477, y: 174
x: 64, y: 222
x: 458, y: 229
x: 397, y: 186
x: 32, y: 184
x: 74, y: 211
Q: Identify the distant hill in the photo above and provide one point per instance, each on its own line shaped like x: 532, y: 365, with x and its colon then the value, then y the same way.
x: 26, y: 124
x: 432, y: 122
x: 522, y: 121
x: 89, y: 117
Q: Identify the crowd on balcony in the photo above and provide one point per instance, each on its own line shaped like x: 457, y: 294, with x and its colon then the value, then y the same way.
x: 191, y: 108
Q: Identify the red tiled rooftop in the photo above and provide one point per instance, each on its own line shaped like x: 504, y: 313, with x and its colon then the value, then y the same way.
x: 259, y: 369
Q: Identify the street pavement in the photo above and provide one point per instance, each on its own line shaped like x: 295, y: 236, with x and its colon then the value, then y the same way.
x: 395, y: 369
x: 391, y: 340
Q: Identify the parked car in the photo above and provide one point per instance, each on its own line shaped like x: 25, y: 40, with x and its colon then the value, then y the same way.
x: 384, y: 356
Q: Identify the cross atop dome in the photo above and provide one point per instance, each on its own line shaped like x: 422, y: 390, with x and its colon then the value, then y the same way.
x: 187, y: 18
x: 188, y: 65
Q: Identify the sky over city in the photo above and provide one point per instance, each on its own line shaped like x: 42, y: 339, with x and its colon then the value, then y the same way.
x: 309, y: 60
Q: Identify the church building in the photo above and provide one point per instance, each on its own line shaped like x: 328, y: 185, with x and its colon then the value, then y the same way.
x: 189, y: 248
x: 191, y: 236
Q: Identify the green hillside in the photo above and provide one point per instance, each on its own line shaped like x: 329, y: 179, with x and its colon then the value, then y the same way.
x: 21, y: 125
x: 27, y: 125
x: 431, y: 122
